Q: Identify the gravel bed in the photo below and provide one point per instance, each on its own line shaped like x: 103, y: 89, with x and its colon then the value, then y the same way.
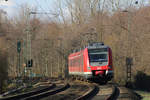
x: 76, y: 89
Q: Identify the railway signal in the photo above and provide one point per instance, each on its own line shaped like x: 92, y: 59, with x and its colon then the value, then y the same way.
x: 129, y: 63
x: 29, y: 63
x: 19, y: 46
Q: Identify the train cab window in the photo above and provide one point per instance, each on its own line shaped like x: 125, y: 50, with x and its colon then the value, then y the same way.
x: 98, y: 55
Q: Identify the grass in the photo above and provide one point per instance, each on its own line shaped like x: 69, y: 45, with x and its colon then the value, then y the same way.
x: 145, y: 95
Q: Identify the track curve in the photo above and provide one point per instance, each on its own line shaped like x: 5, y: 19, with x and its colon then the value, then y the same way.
x: 23, y: 95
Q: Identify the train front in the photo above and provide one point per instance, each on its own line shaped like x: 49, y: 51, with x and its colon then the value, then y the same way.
x: 100, y: 61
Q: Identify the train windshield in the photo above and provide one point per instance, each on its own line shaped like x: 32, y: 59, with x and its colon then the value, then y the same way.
x: 98, y: 55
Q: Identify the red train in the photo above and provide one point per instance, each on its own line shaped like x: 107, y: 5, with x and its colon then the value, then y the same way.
x: 92, y: 62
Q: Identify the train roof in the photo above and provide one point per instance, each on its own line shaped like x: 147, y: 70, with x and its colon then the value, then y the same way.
x: 96, y: 45
x: 93, y: 45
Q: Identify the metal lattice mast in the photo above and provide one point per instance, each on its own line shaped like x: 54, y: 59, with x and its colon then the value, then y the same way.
x: 27, y: 44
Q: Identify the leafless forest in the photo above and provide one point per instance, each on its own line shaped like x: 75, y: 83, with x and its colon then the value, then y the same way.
x: 126, y: 29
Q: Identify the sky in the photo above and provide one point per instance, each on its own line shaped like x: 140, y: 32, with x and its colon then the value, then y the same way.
x: 11, y: 6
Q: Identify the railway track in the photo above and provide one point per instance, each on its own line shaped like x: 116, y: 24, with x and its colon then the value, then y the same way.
x: 109, y: 91
x: 114, y: 92
x: 127, y: 94
x: 56, y: 90
x: 40, y: 90
x: 26, y: 94
x: 21, y: 86
x: 93, y: 91
x: 75, y: 90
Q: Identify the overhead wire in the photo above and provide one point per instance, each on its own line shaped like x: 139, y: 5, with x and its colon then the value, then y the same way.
x: 42, y: 9
x: 49, y: 9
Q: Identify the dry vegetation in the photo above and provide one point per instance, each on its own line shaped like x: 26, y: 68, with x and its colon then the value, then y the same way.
x: 3, y: 59
x: 126, y: 32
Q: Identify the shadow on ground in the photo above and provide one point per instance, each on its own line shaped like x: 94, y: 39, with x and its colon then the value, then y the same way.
x: 142, y: 82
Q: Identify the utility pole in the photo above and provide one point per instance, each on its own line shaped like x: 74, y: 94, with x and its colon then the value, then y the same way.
x: 27, y: 47
x: 18, y: 65
x: 46, y: 61
x: 60, y: 70
x: 27, y: 44
x: 129, y: 59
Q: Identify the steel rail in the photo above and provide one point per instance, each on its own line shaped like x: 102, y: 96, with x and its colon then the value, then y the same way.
x: 24, y: 95
x: 89, y: 94
x: 47, y: 93
x: 115, y: 93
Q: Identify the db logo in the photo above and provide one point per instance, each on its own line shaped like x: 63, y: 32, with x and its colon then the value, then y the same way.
x: 98, y: 68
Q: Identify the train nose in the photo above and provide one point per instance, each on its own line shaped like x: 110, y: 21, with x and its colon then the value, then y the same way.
x: 99, y: 73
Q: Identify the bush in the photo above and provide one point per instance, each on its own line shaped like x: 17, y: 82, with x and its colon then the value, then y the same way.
x: 3, y: 70
x: 142, y: 81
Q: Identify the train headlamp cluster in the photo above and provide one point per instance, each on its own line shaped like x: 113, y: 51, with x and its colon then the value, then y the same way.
x: 109, y: 66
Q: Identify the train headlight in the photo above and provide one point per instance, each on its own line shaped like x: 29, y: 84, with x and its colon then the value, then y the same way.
x: 106, y: 72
